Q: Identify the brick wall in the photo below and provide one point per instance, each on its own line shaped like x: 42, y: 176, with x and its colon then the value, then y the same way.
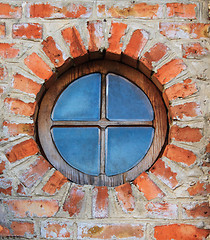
x: 169, y: 43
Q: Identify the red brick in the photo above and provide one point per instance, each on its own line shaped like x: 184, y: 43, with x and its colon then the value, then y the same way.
x: 32, y: 208
x: 164, y: 173
x: 19, y: 107
x: 169, y: 71
x: 181, y: 10
x: 5, y: 186
x: 38, y: 66
x: 56, y: 230
x: 22, y: 128
x: 148, y: 187
x: 125, y: 197
x: 100, y: 202
x: 137, y: 43
x: 19, y: 229
x: 197, y: 189
x: 180, y: 231
x: 96, y: 35
x: 7, y: 50
x: 34, y: 172
x: 198, y: 210
x: 190, y: 109
x: 46, y: 10
x: 138, y: 10
x: 52, y: 50
x: 3, y: 73
x: 193, y: 50
x: 161, y: 210
x: 178, y: 154
x: 56, y: 181
x: 111, y: 231
x: 21, y: 190
x: 117, y: 32
x: 185, y: 134
x: 25, y: 84
x: 10, y: 11
x: 73, y: 39
x: 2, y: 166
x: 2, y: 30
x: 73, y: 202
x: 184, y: 30
x: 27, y: 31
x: 22, y: 150
x: 208, y: 148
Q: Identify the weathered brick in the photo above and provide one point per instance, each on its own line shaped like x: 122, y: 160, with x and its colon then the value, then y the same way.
x: 53, y: 51
x: 21, y: 128
x: 190, y: 109
x: 56, y: 181
x: 27, y: 31
x: 3, y: 73
x: 185, y: 134
x: 125, y: 197
x: 34, y: 172
x: 169, y: 71
x: 96, y: 35
x: 197, y: 210
x: 73, y: 39
x: 2, y: 166
x: 7, y: 50
x: 138, y: 10
x: 178, y: 154
x: 21, y: 190
x: 73, y: 202
x: 21, y: 150
x: 110, y: 231
x: 2, y: 30
x: 198, y: 188
x: 19, y: 107
x: 10, y: 11
x: 180, y: 231
x: 5, y: 186
x: 47, y: 10
x: 148, y: 187
x: 32, y: 208
x: 101, y: 8
x: 161, y: 210
x: 181, y: 10
x: 100, y: 202
x: 193, y: 50
x: 25, y: 84
x: 38, y: 66
x: 164, y: 173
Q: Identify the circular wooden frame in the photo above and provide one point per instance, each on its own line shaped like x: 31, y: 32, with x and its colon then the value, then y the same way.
x: 104, y: 67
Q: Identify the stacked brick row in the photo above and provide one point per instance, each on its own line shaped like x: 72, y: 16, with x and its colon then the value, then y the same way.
x: 168, y: 43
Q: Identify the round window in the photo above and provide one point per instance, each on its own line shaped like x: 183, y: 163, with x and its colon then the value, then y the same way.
x: 102, y: 123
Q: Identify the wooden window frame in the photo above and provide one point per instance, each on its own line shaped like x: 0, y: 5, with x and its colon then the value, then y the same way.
x: 104, y: 67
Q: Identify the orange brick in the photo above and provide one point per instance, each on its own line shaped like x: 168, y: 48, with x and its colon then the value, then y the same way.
x: 178, y: 154
x: 32, y: 208
x: 56, y: 181
x: 185, y: 134
x: 21, y: 128
x: 21, y: 150
x: 2, y: 30
x: 73, y: 202
x: 52, y: 50
x: 190, y: 109
x: 5, y: 186
x: 180, y: 231
x: 38, y: 66
x: 27, y: 31
x: 3, y: 73
x: 101, y: 8
x: 193, y: 50
x: 10, y: 11
x: 25, y: 84
x: 181, y: 10
x: 21, y: 190
x: 125, y: 197
x: 139, y: 10
x: 19, y: 107
x: 164, y: 173
x: 100, y: 202
x: 198, y: 210
x: 7, y: 50
x: 96, y: 36
x: 2, y: 166
x: 148, y: 187
x: 161, y: 210
x: 197, y: 189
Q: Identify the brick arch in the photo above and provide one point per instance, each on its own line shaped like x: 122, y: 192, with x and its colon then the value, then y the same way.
x: 135, y: 48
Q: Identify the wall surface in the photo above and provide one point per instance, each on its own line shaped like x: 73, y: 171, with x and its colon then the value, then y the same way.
x: 168, y: 42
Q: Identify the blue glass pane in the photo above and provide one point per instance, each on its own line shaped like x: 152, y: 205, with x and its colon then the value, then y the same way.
x: 125, y: 147
x: 79, y: 147
x: 80, y: 100
x: 126, y: 101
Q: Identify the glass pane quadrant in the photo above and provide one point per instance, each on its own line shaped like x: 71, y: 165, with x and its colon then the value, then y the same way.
x: 80, y: 101
x: 126, y: 147
x: 79, y: 147
x: 126, y: 101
